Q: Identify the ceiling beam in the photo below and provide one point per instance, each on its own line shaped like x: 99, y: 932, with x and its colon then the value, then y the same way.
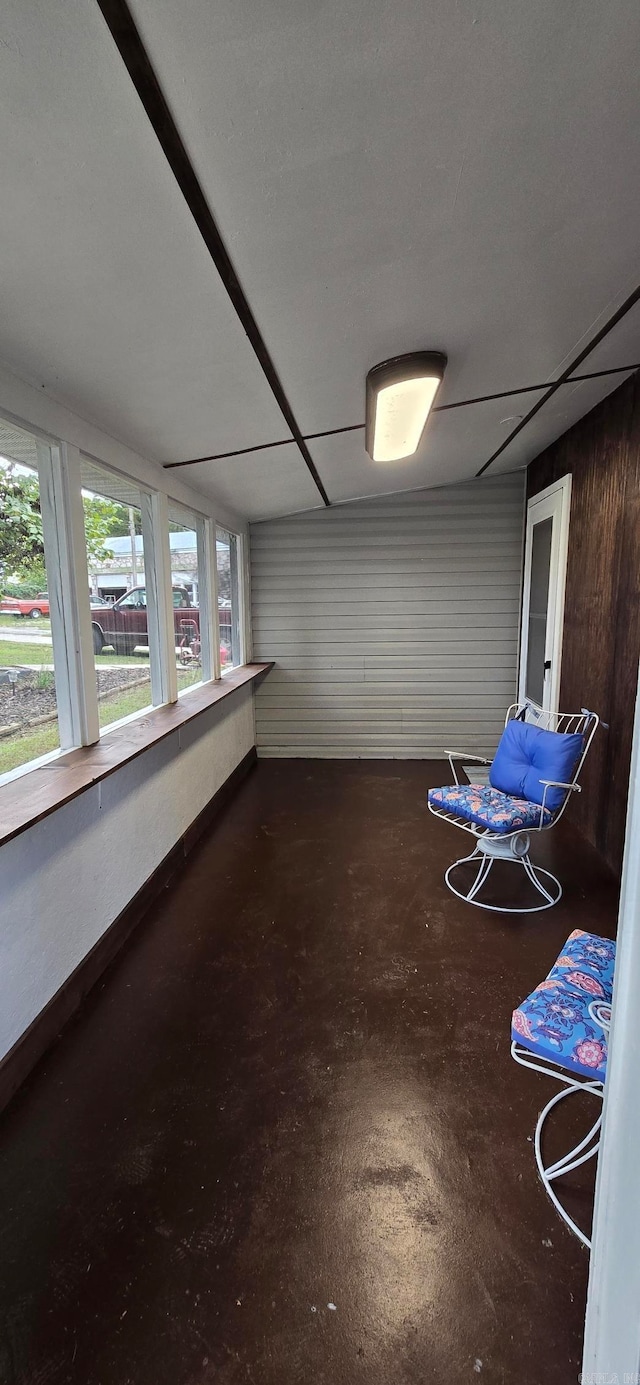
x: 123, y: 30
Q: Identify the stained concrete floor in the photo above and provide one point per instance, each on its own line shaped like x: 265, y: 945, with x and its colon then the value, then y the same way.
x: 284, y: 1140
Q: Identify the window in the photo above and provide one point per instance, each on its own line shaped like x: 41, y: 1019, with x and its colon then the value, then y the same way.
x: 119, y: 619
x: 229, y: 602
x: 136, y: 600
x: 190, y: 602
x: 107, y: 598
x: 29, y: 725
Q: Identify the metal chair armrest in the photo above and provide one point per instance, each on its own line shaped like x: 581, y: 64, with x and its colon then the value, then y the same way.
x: 595, y: 1010
x: 555, y: 784
x: 558, y: 784
x: 462, y: 755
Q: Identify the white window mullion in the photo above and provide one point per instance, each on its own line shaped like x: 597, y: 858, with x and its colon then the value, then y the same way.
x: 208, y: 598
x: 244, y: 568
x: 160, y: 619
x: 68, y: 585
x: 212, y: 559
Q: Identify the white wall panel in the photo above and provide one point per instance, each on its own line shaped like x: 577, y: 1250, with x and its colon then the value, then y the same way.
x: 63, y: 882
x: 393, y: 622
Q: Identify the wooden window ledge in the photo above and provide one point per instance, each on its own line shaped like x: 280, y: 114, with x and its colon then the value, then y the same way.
x: 34, y: 795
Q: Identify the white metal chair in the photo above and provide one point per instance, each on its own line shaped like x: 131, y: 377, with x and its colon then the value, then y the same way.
x: 552, y: 1032
x: 519, y: 818
x: 588, y: 1147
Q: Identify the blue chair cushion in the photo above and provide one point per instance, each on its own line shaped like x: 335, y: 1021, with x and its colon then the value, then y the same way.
x: 555, y: 1024
x: 586, y: 964
x: 526, y: 754
x: 487, y: 807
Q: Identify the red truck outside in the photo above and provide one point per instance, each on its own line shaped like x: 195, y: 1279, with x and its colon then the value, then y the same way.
x: 33, y: 606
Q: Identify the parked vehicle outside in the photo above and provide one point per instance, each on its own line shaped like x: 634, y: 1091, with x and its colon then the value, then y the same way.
x: 33, y: 606
x: 123, y: 625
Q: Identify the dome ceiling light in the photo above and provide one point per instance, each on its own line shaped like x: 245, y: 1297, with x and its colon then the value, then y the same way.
x: 400, y: 393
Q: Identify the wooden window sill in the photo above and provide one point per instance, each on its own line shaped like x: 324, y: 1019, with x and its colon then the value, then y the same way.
x: 37, y: 793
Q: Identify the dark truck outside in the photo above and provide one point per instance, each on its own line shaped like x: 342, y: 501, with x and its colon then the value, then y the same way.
x: 123, y: 625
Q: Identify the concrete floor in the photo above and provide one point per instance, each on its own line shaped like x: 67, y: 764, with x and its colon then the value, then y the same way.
x: 284, y: 1141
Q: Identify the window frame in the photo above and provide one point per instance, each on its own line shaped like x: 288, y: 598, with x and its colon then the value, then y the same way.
x: 66, y: 566
x: 240, y: 592
x: 59, y: 470
x: 151, y: 520
x: 203, y: 526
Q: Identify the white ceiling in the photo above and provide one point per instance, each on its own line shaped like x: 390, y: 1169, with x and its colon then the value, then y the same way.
x: 387, y: 176
x: 110, y: 300
x: 571, y: 402
x: 259, y: 485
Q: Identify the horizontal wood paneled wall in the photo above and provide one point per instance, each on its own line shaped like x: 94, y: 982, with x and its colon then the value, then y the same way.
x: 393, y: 622
x: 601, y: 643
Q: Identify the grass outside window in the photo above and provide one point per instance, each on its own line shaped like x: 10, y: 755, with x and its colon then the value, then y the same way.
x: 29, y: 743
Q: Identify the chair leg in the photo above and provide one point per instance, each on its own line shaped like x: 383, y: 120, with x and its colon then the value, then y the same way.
x: 483, y: 871
x: 487, y: 852
x: 581, y: 1152
x: 534, y: 873
x: 572, y: 1159
x: 484, y: 867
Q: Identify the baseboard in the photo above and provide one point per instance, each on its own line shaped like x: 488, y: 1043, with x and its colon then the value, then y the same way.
x: 46, y: 1028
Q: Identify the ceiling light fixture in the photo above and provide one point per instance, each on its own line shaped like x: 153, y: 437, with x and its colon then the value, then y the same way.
x: 400, y: 393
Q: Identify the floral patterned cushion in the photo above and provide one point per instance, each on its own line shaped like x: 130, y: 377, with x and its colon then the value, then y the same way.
x: 488, y: 807
x: 586, y: 964
x: 554, y: 1021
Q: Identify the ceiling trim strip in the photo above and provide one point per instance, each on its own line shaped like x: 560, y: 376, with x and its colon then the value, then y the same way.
x: 437, y: 409
x: 564, y: 379
x: 529, y: 389
x: 123, y: 30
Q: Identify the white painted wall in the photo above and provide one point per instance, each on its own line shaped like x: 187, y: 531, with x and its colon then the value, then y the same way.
x: 64, y: 881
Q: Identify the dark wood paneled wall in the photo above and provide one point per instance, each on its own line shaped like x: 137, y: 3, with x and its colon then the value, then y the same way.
x: 602, y: 607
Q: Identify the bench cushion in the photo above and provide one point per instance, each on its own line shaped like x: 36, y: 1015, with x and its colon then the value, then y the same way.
x: 586, y: 964
x: 479, y: 803
x: 554, y: 1021
x: 527, y: 754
